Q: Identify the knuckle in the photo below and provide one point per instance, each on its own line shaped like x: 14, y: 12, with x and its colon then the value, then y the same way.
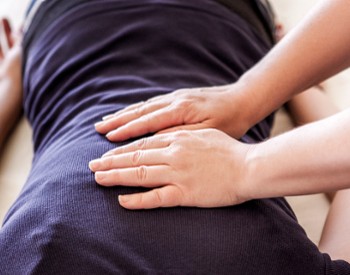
x: 139, y: 110
x: 144, y: 120
x: 181, y: 134
x: 182, y: 108
x: 136, y: 157
x: 141, y: 144
x: 183, y: 104
x: 158, y: 197
x: 179, y: 92
x: 148, y: 118
x: 141, y: 173
x: 148, y: 121
x: 138, y: 199
x: 175, y: 154
x: 107, y: 162
x: 180, y: 195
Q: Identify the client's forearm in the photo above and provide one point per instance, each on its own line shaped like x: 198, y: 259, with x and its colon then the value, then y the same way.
x: 315, y: 50
x: 10, y: 95
x: 10, y: 108
x: 7, y: 123
x: 310, y: 106
x: 310, y: 159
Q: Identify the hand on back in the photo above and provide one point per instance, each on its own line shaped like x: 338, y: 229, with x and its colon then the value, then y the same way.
x: 186, y: 109
x: 203, y: 168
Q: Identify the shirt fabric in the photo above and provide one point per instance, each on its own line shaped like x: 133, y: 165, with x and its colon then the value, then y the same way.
x: 100, y: 56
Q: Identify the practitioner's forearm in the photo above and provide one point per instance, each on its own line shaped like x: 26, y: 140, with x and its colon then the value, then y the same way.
x: 310, y: 106
x: 311, y: 159
x: 313, y: 51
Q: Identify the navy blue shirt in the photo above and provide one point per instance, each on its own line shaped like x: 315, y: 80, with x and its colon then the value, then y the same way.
x: 93, y: 60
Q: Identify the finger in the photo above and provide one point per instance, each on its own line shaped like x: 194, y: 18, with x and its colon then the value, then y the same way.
x: 132, y: 107
x: 8, y: 32
x: 126, y: 109
x: 190, y: 127
x: 125, y: 117
x: 133, y: 159
x: 5, y: 38
x: 155, y: 142
x: 150, y: 123
x: 167, y: 196
x: 146, y: 176
x: 2, y: 40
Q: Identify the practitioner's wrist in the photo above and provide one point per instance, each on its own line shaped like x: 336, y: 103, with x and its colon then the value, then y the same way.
x: 252, y: 103
x: 245, y: 174
x: 261, y: 94
x: 241, y: 108
x: 258, y: 174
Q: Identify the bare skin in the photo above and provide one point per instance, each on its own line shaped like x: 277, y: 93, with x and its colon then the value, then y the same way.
x: 176, y: 189
x: 201, y: 108
x: 163, y: 160
x: 336, y: 230
x: 193, y: 109
x: 177, y: 167
x: 180, y: 110
x: 304, y: 161
x: 10, y: 80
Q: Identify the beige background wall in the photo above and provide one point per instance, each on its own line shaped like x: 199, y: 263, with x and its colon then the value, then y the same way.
x: 15, y: 160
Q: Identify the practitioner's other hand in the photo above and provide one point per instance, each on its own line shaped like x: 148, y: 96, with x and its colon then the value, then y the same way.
x: 202, y: 168
x: 186, y: 109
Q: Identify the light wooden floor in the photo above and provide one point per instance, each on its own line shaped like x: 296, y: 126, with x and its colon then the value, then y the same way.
x: 16, y: 159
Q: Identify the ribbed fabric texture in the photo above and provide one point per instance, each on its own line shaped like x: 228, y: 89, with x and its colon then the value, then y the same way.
x: 257, y: 14
x: 94, y: 59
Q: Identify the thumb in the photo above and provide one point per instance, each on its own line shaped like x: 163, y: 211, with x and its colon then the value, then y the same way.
x: 167, y: 196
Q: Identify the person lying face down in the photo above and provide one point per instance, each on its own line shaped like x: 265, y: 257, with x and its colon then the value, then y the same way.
x: 88, y: 60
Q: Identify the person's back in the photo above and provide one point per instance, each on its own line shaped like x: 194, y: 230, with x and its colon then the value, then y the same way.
x: 93, y: 60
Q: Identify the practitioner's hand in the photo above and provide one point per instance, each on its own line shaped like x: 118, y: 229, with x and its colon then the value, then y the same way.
x: 186, y: 109
x: 202, y: 168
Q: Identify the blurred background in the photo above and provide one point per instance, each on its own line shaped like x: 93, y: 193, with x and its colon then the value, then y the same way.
x: 15, y: 160
x: 14, y: 10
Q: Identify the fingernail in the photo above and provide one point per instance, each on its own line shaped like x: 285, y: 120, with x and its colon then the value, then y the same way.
x: 107, y: 154
x: 123, y: 199
x: 95, y: 164
x: 107, y: 117
x: 100, y: 123
x: 99, y: 175
x: 110, y: 134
